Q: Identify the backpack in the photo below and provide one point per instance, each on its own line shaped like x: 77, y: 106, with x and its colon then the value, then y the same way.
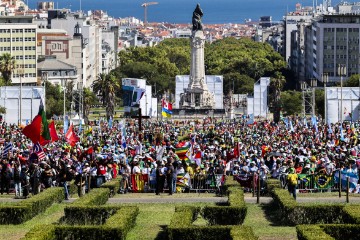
x: 292, y: 179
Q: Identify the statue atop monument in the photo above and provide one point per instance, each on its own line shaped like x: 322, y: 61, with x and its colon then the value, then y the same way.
x: 196, y: 18
x: 197, y: 94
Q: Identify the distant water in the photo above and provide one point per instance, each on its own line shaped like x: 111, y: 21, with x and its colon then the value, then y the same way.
x: 180, y: 11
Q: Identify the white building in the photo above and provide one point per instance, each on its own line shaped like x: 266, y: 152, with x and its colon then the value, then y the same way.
x: 92, y: 41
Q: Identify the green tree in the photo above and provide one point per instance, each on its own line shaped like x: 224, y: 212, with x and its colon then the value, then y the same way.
x: 89, y: 98
x: 291, y: 102
x: 55, y: 99
x: 353, y: 81
x: 2, y: 110
x: 276, y: 83
x: 7, y: 66
x: 240, y: 60
x: 106, y: 86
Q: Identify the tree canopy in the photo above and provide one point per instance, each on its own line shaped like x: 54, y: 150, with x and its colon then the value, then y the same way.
x: 241, y: 62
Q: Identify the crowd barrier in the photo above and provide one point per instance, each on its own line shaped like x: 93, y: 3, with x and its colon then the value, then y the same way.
x: 322, y: 181
x: 184, y: 182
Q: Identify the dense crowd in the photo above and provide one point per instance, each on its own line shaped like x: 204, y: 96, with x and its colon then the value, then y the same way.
x: 167, y: 149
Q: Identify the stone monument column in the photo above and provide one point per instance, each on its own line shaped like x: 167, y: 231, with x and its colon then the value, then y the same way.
x: 197, y: 67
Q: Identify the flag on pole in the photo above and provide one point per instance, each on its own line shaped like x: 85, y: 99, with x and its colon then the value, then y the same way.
x: 38, y: 130
x: 71, y: 137
x: 305, y: 123
x: 7, y: 149
x: 66, y: 124
x: 251, y: 119
x: 291, y: 126
x: 166, y: 109
x: 341, y: 133
x: 329, y: 128
x: 37, y: 149
x: 110, y: 123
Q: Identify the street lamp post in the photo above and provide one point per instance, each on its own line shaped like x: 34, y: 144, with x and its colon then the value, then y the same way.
x: 325, y: 81
x: 21, y: 73
x: 342, y: 72
x: 44, y: 79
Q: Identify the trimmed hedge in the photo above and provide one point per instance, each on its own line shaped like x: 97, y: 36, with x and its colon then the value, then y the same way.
x: 233, y: 214
x: 343, y: 231
x: 295, y: 214
x: 311, y: 232
x: 87, y: 210
x: 181, y: 228
x: 200, y: 233
x: 242, y: 233
x: 329, y: 231
x: 352, y: 214
x: 42, y: 232
x: 88, y: 215
x: 116, y: 227
x: 96, y: 196
x: 113, y: 185
x: 20, y: 212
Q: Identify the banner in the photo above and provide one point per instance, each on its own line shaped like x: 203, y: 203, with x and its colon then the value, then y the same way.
x: 323, y: 181
x: 353, y: 178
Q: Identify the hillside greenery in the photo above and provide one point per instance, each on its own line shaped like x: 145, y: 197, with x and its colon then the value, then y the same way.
x: 240, y: 61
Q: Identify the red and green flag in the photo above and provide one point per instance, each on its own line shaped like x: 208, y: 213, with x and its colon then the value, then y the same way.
x: 38, y: 130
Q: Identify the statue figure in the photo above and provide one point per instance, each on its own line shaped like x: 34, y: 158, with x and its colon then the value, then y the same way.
x: 196, y: 18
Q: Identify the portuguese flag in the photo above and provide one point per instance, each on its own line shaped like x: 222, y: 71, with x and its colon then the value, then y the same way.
x: 38, y: 130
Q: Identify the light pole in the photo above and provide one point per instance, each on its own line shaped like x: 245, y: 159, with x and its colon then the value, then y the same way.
x: 342, y: 72
x: 64, y: 89
x: 21, y: 73
x: 325, y: 77
x: 313, y: 85
x: 44, y: 80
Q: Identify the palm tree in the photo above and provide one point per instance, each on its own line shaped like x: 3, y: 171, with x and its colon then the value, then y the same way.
x: 277, y: 83
x: 7, y: 66
x: 105, y: 86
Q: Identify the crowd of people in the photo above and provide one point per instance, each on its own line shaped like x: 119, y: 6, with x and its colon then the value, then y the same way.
x: 166, y: 149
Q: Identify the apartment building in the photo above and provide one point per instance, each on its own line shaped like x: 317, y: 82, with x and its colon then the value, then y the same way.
x: 334, y: 41
x: 18, y: 37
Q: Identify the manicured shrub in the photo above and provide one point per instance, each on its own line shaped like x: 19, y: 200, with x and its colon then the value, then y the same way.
x: 41, y: 232
x: 295, y: 214
x: 181, y: 227
x: 242, y: 233
x: 227, y: 215
x: 96, y: 196
x: 200, y: 233
x: 343, y: 231
x: 311, y: 232
x: 113, y: 185
x: 233, y: 214
x: 86, y: 210
x: 20, y: 212
x: 352, y: 214
x: 88, y: 215
x: 116, y: 227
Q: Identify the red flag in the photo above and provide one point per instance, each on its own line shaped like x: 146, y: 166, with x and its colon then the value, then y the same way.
x: 71, y: 137
x: 33, y: 130
x: 236, y: 150
x: 53, y: 134
x: 88, y: 151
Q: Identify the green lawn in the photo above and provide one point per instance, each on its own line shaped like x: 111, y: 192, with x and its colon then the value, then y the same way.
x: 263, y: 220
x: 15, y: 232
